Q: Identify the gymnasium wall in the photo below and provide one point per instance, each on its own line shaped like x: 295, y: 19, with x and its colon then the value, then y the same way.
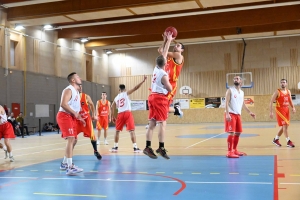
x: 30, y: 88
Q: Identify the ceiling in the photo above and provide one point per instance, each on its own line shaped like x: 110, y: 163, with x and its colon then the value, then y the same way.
x: 117, y: 24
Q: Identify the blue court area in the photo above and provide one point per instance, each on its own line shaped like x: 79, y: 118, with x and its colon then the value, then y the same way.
x: 139, y: 177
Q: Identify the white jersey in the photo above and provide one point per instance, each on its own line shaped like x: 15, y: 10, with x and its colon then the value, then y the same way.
x: 3, y: 118
x: 236, y: 101
x: 156, y: 84
x: 74, y: 102
x: 123, y: 102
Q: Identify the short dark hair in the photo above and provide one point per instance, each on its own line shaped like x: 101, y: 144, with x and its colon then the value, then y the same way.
x: 103, y: 92
x: 283, y: 79
x: 160, y: 61
x: 182, y: 46
x: 70, y: 76
x: 122, y: 87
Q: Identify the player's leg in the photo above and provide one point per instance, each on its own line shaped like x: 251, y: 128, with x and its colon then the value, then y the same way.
x: 161, y: 137
x: 236, y: 136
x: 105, y: 128
x: 9, y: 149
x: 230, y: 129
x: 148, y: 149
x: 8, y: 133
x: 285, y: 131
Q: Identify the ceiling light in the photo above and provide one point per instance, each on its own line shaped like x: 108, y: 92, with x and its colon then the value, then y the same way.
x: 19, y: 27
x: 108, y: 51
x: 84, y: 40
x: 48, y: 26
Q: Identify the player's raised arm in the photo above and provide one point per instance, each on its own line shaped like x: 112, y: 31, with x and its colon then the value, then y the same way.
x: 137, y: 86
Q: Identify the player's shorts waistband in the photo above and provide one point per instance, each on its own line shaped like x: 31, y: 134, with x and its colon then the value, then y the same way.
x: 159, y: 93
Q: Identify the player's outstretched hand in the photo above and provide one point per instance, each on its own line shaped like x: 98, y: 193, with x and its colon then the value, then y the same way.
x: 253, y: 115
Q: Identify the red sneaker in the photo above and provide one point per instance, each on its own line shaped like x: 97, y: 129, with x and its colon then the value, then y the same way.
x: 276, y: 142
x: 239, y: 153
x: 231, y: 154
x: 290, y: 144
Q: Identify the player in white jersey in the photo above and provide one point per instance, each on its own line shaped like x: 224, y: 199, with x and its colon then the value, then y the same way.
x: 233, y: 109
x: 122, y: 103
x: 158, y: 103
x: 67, y: 120
x: 6, y: 132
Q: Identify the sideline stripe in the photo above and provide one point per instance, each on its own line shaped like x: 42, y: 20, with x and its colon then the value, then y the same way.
x: 204, y: 140
x: 70, y: 195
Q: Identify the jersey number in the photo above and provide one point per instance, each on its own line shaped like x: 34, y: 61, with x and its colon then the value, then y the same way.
x: 121, y: 102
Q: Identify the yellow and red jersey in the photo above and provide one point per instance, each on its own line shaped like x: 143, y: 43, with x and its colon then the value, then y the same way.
x: 103, y: 109
x: 173, y: 69
x: 283, y: 99
x: 84, y: 112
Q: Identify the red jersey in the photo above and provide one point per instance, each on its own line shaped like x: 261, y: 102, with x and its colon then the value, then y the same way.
x: 84, y: 112
x: 283, y: 99
x: 103, y: 109
x: 173, y: 69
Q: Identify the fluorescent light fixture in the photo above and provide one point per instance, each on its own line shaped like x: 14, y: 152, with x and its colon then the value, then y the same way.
x: 19, y: 27
x: 83, y: 40
x: 48, y: 26
x: 108, y: 51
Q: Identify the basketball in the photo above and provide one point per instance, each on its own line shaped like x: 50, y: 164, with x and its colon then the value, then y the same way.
x: 172, y: 30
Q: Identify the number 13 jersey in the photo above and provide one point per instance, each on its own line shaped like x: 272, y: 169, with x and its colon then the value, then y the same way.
x: 123, y: 102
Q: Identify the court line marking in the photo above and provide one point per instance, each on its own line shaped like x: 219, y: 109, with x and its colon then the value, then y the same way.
x: 257, y: 183
x: 205, y: 140
x: 72, y: 195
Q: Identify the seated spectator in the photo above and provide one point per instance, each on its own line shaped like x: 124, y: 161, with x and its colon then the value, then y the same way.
x: 11, y: 119
x: 46, y: 128
x: 23, y: 126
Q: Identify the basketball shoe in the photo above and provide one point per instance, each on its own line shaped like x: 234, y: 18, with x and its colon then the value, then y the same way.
x: 149, y: 152
x: 290, y: 144
x: 11, y: 158
x: 178, y: 111
x: 276, y: 142
x: 163, y: 152
x: 231, y: 154
x: 97, y: 154
x: 63, y: 166
x: 136, y: 150
x: 105, y: 142
x: 114, y: 149
x: 5, y: 154
x: 71, y: 171
x: 239, y: 153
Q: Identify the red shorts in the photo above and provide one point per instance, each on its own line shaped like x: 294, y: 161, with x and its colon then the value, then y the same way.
x: 234, y: 125
x: 88, y: 130
x: 125, y: 118
x: 283, y: 116
x: 7, y: 131
x: 67, y: 124
x: 102, y: 123
x: 158, y: 107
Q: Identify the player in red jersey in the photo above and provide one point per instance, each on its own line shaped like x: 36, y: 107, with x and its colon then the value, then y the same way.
x: 6, y: 132
x: 87, y: 105
x: 283, y: 101
x: 173, y: 68
x: 103, y: 112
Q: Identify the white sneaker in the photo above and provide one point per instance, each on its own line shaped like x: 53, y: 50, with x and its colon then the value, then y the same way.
x: 105, y: 142
x: 147, y: 126
x: 5, y: 154
x: 180, y: 113
x: 63, y: 166
x: 11, y: 158
x: 136, y: 150
x: 98, y: 142
x: 72, y: 171
x: 77, y: 168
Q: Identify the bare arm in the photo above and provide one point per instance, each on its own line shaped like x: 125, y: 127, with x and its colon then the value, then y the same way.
x: 166, y: 83
x: 247, y: 109
x: 167, y: 45
x: 178, y: 57
x: 136, y: 87
x: 291, y: 102
x: 113, y: 108
x: 109, y: 112
x: 227, y: 99
x: 273, y: 98
x: 91, y: 107
x: 161, y: 48
x: 2, y: 111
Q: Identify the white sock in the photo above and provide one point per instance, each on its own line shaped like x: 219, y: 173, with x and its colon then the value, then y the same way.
x: 134, y: 145
x: 69, y: 162
x: 64, y: 160
x: 287, y: 139
x: 116, y: 145
x: 276, y: 137
x: 10, y: 154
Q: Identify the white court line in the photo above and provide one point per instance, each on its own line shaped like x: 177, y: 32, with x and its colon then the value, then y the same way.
x: 204, y: 140
x: 19, y: 177
x: 153, y: 181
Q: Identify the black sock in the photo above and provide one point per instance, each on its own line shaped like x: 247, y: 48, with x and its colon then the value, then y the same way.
x: 161, y: 144
x: 94, y: 144
x: 148, y: 143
